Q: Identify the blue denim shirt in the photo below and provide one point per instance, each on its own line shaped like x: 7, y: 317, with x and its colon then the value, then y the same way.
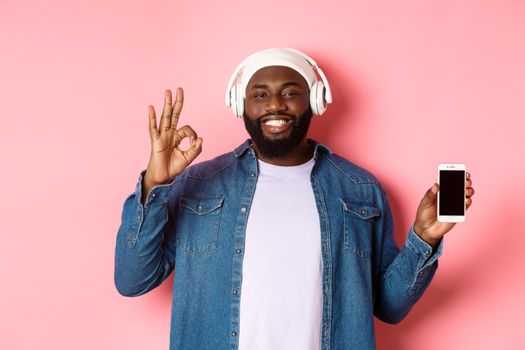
x: 196, y: 226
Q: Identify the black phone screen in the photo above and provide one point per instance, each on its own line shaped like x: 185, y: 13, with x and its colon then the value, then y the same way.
x: 452, y: 192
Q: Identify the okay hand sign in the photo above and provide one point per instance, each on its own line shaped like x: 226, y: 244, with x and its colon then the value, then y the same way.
x: 167, y: 159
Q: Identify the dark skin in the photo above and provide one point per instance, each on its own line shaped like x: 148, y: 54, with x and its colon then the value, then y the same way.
x: 274, y: 94
x: 280, y: 92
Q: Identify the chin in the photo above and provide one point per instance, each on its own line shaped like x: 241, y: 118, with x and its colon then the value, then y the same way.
x: 271, y: 137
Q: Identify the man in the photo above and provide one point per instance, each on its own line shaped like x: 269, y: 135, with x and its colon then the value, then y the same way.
x: 280, y: 244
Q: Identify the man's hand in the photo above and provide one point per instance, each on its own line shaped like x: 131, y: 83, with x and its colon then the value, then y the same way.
x: 426, y: 225
x: 167, y: 160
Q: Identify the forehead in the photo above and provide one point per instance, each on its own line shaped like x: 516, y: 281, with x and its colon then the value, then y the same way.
x: 276, y: 76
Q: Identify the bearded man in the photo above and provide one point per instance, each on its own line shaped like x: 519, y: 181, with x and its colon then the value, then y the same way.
x: 279, y: 244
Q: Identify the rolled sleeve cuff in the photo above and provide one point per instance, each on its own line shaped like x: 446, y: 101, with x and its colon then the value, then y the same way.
x: 158, y: 194
x: 421, y: 248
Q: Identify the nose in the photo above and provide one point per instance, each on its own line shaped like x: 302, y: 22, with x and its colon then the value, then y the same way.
x: 275, y: 104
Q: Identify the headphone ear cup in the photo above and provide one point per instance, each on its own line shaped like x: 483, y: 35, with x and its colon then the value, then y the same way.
x: 317, y: 100
x: 239, y: 110
x: 233, y: 99
x: 321, y: 101
x: 313, y: 98
x: 236, y: 101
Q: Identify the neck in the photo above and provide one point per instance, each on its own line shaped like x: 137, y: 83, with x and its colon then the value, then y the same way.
x: 299, y: 155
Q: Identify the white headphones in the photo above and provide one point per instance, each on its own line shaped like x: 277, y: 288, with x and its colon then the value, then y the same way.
x: 320, y: 93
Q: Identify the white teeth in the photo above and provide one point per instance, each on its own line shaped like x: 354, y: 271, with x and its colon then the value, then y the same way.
x: 275, y: 122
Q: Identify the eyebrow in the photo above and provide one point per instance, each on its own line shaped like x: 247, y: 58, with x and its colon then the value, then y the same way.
x: 264, y: 86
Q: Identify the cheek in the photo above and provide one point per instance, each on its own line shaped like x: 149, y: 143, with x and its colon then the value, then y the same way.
x: 301, y: 103
x: 253, y: 109
x: 301, y: 106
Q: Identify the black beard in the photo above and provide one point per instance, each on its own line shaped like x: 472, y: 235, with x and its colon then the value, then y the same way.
x: 279, y: 148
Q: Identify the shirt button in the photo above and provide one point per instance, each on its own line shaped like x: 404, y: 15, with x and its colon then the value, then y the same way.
x: 252, y: 175
x: 363, y: 212
x: 238, y: 251
x: 243, y: 210
x: 153, y: 194
x: 234, y: 334
x: 199, y: 207
x: 139, y: 217
x: 235, y: 291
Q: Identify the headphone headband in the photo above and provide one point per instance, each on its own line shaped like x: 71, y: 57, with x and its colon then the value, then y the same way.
x: 320, y: 92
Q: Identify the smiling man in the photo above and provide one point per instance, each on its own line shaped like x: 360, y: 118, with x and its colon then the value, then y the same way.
x: 278, y: 116
x: 280, y: 244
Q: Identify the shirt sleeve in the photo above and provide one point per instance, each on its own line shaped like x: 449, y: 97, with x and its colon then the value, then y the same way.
x: 403, y: 274
x: 145, y: 253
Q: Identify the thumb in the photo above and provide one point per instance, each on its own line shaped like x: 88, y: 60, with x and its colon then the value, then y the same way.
x: 430, y: 197
x: 194, y: 150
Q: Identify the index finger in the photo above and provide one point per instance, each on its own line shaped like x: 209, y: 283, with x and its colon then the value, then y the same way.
x: 177, y: 107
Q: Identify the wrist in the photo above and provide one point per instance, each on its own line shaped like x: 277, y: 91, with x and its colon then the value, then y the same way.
x: 149, y: 183
x: 423, y: 234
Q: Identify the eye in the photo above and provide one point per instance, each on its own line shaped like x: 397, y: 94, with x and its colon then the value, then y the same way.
x: 260, y: 95
x: 289, y: 94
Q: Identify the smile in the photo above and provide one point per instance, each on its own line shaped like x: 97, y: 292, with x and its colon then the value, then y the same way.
x: 276, y: 125
x: 276, y: 122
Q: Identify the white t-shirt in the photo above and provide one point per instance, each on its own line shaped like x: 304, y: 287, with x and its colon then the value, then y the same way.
x: 281, y: 293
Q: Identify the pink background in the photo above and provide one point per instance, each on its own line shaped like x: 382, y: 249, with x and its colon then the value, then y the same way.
x: 415, y: 83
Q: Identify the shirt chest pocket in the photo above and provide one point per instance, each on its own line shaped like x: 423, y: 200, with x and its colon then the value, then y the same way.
x: 358, y: 225
x: 197, y: 226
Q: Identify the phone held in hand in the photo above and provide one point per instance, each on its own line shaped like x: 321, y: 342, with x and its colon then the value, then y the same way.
x: 451, y: 195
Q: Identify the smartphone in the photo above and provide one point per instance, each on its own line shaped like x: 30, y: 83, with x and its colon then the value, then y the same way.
x: 451, y: 195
